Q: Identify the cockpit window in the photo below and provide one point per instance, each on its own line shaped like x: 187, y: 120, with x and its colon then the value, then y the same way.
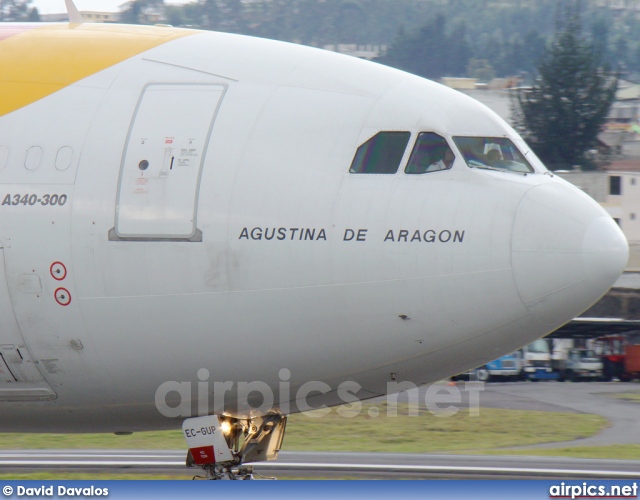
x: 431, y: 153
x: 493, y: 153
x: 381, y: 154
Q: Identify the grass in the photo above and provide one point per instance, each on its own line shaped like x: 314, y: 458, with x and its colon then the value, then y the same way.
x: 488, y: 433
x: 425, y: 433
x: 155, y: 440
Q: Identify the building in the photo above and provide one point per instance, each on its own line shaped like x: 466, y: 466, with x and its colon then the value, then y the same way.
x: 54, y: 18
x: 619, y: 194
x: 619, y: 5
x: 88, y: 16
x: 369, y: 52
x: 100, y: 17
x: 461, y: 84
x: 622, y: 130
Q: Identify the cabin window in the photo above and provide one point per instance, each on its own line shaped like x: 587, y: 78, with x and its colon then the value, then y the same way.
x: 381, y: 154
x: 492, y: 153
x: 430, y: 154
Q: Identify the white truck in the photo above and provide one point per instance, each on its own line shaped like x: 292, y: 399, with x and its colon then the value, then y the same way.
x: 536, y: 362
x: 579, y: 364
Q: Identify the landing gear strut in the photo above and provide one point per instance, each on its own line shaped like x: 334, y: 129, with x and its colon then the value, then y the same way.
x: 222, y: 444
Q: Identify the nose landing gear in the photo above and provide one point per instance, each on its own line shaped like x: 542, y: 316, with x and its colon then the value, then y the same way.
x: 220, y: 445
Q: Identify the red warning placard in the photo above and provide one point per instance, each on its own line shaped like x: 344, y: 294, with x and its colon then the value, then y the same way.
x: 203, y: 455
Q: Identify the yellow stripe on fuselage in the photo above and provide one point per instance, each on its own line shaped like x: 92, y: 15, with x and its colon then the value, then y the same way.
x: 38, y: 62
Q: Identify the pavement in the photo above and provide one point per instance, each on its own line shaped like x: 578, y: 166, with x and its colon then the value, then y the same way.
x: 585, y: 397
x: 598, y: 398
x: 326, y: 465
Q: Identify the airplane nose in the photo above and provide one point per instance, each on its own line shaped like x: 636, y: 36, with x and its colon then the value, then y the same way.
x: 566, y: 252
x: 605, y: 252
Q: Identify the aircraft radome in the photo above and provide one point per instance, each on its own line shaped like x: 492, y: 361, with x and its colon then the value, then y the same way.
x: 183, y: 213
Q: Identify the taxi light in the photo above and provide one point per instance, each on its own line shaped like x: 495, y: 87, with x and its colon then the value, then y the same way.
x: 226, y: 428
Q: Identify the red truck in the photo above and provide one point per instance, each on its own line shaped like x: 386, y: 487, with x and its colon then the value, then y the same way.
x: 632, y: 361
x: 619, y: 359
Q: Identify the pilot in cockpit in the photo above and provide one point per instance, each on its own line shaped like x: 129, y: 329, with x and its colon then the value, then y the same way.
x: 430, y: 154
x: 420, y: 159
x: 445, y: 161
x: 493, y: 157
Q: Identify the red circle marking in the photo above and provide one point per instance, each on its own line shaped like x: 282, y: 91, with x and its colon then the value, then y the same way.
x: 62, y: 296
x: 64, y: 271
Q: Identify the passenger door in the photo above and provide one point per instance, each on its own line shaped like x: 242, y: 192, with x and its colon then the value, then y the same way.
x: 162, y: 163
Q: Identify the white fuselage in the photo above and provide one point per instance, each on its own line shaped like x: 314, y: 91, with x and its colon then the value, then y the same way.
x: 269, y: 254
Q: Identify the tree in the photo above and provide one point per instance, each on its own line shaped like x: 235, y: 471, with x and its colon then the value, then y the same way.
x: 481, y: 69
x: 142, y: 11
x: 33, y: 16
x: 14, y: 10
x: 562, y: 114
x: 431, y: 52
x: 210, y: 14
x: 132, y: 15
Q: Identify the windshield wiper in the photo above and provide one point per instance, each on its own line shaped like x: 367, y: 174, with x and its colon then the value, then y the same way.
x: 486, y: 167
